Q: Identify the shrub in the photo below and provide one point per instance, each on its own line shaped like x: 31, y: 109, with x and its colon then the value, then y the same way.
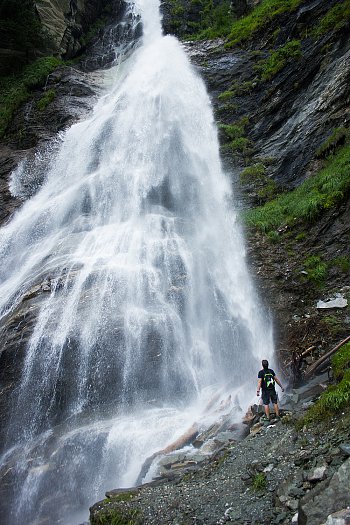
x: 333, y: 324
x: 279, y: 59
x: 256, y: 172
x: 227, y: 109
x: 268, y: 191
x: 240, y: 145
x: 337, y: 138
x: 336, y: 18
x: 273, y: 236
x: 216, y: 20
x: 260, y: 17
x: 238, y: 89
x: 234, y: 138
x: 115, y: 517
x: 300, y: 237
x: 305, y: 203
x: 226, y: 95
x: 14, y: 91
x: 199, y: 19
x: 46, y: 99
x: 341, y: 361
x: 336, y: 397
x: 343, y: 263
x: 259, y: 481
x: 231, y: 131
x: 20, y: 27
x: 316, y: 269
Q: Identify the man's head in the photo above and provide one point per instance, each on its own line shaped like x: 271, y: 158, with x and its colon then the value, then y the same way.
x: 265, y: 363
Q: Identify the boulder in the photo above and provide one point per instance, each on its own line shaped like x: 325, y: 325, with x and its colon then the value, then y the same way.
x: 338, y: 301
x: 339, y: 518
x: 327, y: 498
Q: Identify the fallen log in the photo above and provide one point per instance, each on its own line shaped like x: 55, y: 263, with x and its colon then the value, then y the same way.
x: 189, y: 436
x: 186, y: 439
x: 312, y: 369
x: 301, y: 355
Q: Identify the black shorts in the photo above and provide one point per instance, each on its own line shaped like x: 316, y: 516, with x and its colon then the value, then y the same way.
x: 268, y: 395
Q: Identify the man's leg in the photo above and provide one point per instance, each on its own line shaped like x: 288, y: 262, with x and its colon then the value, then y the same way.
x: 274, y: 400
x: 277, y: 412
x: 267, y: 411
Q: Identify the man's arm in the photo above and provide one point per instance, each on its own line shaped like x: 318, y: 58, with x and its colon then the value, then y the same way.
x: 279, y: 383
x: 258, y: 387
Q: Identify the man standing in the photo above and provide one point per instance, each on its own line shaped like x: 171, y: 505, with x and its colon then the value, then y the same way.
x: 266, y: 382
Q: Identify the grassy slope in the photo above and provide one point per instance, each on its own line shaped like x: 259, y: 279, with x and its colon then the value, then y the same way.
x: 322, y: 191
x: 15, y: 90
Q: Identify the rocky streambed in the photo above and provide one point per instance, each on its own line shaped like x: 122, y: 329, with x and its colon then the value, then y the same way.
x: 275, y: 475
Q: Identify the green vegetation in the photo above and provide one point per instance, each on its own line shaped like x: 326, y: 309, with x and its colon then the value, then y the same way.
x: 256, y: 172
x: 279, y: 59
x: 333, y: 324
x: 337, y: 138
x: 234, y: 139
x: 237, y: 89
x: 341, y: 361
x: 300, y: 237
x: 316, y: 269
x: 199, y: 19
x: 16, y: 90
x: 227, y: 109
x: 266, y: 188
x: 240, y: 145
x: 111, y: 516
x: 46, y: 99
x: 20, y: 27
x: 337, y: 397
x: 273, y: 236
x: 216, y: 20
x: 259, y: 481
x: 336, y: 18
x: 322, y: 191
x: 87, y: 37
x: 122, y: 496
x: 260, y: 17
x: 343, y: 263
x: 234, y: 131
x: 226, y: 95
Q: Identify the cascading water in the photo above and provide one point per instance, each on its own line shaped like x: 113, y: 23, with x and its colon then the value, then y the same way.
x: 150, y: 309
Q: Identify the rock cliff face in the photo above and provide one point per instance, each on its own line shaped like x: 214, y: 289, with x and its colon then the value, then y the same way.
x: 67, y: 20
x: 279, y: 124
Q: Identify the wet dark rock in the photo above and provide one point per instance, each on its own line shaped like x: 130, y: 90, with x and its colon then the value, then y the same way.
x: 289, y: 117
x: 66, y: 23
x: 14, y: 334
x: 317, y: 474
x: 341, y: 517
x: 345, y: 448
x: 327, y: 498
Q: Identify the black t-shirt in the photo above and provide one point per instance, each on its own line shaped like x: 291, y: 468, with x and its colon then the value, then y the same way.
x: 261, y: 375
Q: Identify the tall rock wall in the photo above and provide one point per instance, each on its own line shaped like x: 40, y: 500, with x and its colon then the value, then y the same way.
x: 65, y: 21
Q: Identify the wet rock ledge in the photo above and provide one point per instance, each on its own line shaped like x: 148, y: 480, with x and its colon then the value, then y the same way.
x: 276, y: 475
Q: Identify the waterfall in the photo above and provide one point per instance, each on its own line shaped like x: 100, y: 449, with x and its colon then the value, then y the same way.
x: 149, y: 308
